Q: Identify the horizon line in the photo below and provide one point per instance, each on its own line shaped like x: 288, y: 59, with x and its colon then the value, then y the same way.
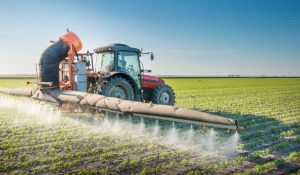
x: 175, y: 76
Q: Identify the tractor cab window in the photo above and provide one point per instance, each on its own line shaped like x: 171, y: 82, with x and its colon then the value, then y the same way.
x: 104, y: 62
x: 128, y: 62
x: 88, y: 60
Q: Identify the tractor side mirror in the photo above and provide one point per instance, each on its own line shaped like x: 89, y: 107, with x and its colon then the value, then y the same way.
x: 152, y: 56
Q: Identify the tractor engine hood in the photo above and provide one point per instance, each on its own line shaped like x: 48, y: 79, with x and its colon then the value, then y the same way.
x: 151, y: 82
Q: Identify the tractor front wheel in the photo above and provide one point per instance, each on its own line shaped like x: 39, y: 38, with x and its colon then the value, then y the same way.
x: 164, y: 95
x: 118, y: 87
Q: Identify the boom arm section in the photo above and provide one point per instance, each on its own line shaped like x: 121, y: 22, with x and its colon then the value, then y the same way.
x: 102, y: 102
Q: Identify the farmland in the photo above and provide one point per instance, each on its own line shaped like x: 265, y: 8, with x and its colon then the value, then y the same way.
x: 37, y: 139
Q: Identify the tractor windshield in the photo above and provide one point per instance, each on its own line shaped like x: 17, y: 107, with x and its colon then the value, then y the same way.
x: 104, y: 62
x: 128, y: 62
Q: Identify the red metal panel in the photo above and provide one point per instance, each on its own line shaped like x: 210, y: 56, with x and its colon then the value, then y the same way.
x: 151, y: 82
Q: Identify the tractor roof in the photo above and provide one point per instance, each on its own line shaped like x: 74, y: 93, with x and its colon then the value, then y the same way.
x: 116, y: 47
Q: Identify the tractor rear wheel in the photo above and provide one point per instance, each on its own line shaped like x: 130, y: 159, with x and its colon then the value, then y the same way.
x: 164, y: 95
x: 118, y: 87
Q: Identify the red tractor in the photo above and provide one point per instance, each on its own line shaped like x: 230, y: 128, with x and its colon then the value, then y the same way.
x: 117, y: 71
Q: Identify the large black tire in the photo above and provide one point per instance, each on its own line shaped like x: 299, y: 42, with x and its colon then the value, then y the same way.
x: 164, y: 95
x: 118, y: 87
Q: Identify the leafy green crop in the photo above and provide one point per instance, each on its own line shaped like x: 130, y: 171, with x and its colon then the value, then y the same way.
x: 268, y: 108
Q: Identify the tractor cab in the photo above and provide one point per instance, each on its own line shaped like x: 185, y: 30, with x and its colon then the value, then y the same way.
x: 119, y: 58
x: 119, y: 74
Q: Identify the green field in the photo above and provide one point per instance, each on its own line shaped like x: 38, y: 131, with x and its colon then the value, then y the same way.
x: 36, y: 139
x: 14, y: 82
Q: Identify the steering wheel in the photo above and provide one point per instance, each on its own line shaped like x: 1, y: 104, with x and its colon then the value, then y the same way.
x: 130, y: 68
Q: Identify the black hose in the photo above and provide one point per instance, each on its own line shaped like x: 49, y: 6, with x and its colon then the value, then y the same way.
x: 49, y: 62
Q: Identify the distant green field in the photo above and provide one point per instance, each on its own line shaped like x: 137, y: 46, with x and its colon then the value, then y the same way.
x: 268, y: 108
x: 9, y: 82
x: 272, y: 97
x: 262, y: 96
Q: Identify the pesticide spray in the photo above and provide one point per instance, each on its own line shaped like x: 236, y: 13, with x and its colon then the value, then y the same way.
x: 172, y: 134
x: 40, y: 111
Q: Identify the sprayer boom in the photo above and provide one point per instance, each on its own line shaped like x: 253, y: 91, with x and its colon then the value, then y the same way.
x: 99, y: 102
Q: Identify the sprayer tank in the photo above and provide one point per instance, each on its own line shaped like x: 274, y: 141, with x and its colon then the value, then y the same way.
x: 79, y: 76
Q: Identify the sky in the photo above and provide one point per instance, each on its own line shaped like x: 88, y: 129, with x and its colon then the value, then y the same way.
x: 188, y: 37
